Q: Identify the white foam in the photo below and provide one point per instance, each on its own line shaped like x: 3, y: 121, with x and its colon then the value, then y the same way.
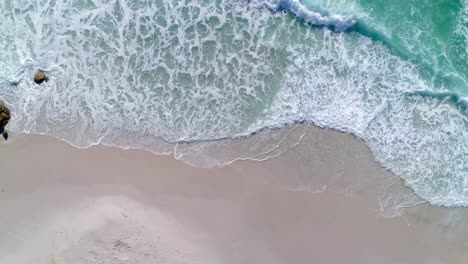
x: 338, y: 22
x: 363, y: 90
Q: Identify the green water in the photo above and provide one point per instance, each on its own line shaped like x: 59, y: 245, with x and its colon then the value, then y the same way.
x: 430, y: 33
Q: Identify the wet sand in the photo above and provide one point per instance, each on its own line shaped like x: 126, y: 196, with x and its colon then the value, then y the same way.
x: 319, y: 202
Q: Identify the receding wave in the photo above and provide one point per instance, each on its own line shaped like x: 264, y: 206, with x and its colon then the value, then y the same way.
x: 186, y: 77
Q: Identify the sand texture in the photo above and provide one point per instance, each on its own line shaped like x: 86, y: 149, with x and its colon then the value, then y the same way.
x: 319, y: 202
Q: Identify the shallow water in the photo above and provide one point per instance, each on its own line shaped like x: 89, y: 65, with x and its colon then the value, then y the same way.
x: 183, y: 76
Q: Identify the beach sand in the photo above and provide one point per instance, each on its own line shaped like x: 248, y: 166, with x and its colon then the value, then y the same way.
x: 319, y: 202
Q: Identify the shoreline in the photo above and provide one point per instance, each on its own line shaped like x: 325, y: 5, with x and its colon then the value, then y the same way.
x: 273, y: 149
x: 322, y: 196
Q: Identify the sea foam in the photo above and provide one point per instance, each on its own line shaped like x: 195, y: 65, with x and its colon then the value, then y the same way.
x: 338, y: 22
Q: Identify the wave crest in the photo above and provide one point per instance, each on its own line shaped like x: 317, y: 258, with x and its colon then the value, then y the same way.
x: 337, y: 22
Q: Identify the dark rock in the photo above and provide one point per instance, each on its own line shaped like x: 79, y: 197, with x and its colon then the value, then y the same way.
x: 40, y: 77
x: 4, y: 119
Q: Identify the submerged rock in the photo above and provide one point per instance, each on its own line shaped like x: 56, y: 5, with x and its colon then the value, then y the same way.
x: 4, y: 119
x: 40, y: 77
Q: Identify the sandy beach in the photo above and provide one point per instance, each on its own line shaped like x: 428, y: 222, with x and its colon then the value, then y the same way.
x: 59, y: 204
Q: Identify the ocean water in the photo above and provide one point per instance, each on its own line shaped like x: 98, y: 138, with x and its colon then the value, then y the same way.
x: 185, y: 77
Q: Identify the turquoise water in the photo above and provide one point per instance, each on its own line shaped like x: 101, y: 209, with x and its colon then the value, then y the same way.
x: 430, y: 34
x: 163, y: 75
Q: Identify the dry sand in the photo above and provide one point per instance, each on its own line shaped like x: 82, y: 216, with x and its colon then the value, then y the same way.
x: 316, y: 203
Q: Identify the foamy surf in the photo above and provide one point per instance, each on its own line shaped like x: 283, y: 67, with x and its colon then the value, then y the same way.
x: 186, y: 77
x: 337, y: 22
